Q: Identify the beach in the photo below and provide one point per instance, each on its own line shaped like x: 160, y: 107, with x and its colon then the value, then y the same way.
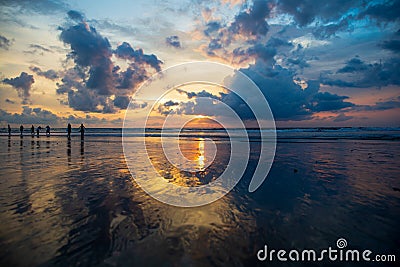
x: 74, y: 203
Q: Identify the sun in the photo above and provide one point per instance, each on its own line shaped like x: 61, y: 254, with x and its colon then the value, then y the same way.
x: 202, y: 117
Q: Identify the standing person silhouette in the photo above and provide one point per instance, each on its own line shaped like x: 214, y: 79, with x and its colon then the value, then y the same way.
x: 82, y: 130
x: 32, y: 131
x: 21, y: 129
x: 69, y: 131
x: 47, y: 130
x: 9, y: 130
x: 38, y: 130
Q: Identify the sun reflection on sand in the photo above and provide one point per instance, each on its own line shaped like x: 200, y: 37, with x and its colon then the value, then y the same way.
x: 201, y: 156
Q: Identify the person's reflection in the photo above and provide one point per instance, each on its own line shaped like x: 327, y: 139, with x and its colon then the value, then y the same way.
x: 48, y: 146
x: 21, y: 143
x: 9, y: 144
x: 82, y: 149
x: 69, y: 151
x: 33, y: 147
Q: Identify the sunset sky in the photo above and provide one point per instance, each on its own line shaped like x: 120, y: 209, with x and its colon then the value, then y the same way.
x: 318, y: 63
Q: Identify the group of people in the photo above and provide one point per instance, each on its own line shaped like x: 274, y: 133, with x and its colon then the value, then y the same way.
x: 69, y: 130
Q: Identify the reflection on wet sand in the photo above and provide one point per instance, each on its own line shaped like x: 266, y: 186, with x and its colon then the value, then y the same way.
x: 84, y: 208
x: 69, y: 151
x: 193, y: 150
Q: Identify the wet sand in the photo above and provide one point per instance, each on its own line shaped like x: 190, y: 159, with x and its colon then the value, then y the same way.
x: 73, y: 203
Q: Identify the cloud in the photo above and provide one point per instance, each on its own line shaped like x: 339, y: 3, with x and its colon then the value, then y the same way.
x: 288, y: 101
x: 173, y: 41
x: 125, y: 51
x: 22, y: 84
x: 308, y: 11
x: 49, y: 74
x: 329, y: 102
x: 392, y: 45
x: 90, y: 49
x: 211, y: 27
x: 353, y: 65
x: 30, y: 116
x: 38, y: 6
x: 252, y: 21
x: 384, y: 105
x: 37, y: 49
x: 301, y: 62
x: 121, y: 102
x: 41, y: 116
x: 9, y: 101
x: 385, y: 11
x: 5, y: 43
x: 170, y: 103
x: 357, y: 73
x: 326, y: 31
x: 342, y: 117
x: 96, y: 83
x: 75, y: 15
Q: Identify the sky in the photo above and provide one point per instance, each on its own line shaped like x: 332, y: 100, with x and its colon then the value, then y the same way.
x: 318, y: 63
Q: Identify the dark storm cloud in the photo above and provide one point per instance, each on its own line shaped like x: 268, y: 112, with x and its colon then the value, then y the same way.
x: 5, y: 43
x: 49, y: 74
x: 392, y: 45
x: 357, y: 73
x: 22, y: 84
x: 173, y: 41
x: 125, y: 51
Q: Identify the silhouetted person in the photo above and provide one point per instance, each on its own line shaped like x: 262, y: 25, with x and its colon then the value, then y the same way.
x: 21, y: 129
x: 9, y: 130
x: 33, y: 131
x: 69, y: 130
x: 82, y: 130
x: 38, y: 131
x: 47, y: 130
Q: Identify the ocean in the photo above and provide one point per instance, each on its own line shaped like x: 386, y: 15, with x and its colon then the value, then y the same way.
x: 75, y: 203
